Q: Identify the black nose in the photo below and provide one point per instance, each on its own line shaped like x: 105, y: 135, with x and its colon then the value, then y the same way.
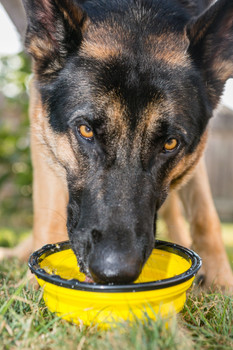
x: 108, y: 266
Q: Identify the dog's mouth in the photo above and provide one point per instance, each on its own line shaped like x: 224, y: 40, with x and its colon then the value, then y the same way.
x: 84, y: 270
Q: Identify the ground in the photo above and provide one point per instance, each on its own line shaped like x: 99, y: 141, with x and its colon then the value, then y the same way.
x: 205, y: 323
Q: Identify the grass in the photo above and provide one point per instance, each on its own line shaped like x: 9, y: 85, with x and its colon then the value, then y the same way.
x: 25, y: 323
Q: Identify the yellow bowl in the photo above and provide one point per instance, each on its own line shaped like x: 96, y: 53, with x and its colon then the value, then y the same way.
x: 159, y: 290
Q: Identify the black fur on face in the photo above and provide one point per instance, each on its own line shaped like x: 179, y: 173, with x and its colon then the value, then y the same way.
x: 134, y: 81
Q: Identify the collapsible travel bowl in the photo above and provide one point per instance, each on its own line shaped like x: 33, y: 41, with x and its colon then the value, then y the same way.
x: 159, y: 290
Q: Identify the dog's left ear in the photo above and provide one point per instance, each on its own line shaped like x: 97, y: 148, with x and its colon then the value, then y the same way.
x: 211, y: 46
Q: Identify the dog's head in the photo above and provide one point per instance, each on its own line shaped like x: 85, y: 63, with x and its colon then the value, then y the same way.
x: 127, y: 89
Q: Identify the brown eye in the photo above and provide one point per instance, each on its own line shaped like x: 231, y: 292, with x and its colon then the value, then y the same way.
x: 86, y: 132
x: 170, y: 145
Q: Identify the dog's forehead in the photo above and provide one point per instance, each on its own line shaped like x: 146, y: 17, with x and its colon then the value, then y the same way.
x: 109, y: 39
x: 123, y: 90
x: 134, y: 90
x: 138, y: 65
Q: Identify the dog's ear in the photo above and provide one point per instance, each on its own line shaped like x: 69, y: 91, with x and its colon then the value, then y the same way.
x: 55, y: 30
x: 211, y: 46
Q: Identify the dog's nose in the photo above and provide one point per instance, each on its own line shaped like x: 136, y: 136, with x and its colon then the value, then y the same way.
x: 108, y: 266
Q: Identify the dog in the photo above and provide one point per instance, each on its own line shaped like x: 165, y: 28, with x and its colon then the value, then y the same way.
x: 122, y: 94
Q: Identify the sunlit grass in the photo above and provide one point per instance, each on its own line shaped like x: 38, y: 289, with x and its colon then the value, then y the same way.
x: 205, y: 323
x: 25, y: 323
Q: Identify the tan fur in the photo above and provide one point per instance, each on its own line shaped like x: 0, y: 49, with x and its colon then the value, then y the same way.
x: 168, y: 49
x: 197, y: 35
x: 50, y: 193
x: 114, y: 109
x: 172, y: 214
x: 99, y: 51
x: 103, y: 41
x: 107, y: 40
x: 38, y: 47
x: 205, y: 228
x: 60, y: 152
x: 152, y: 113
x: 183, y: 170
x: 74, y: 15
x: 223, y: 69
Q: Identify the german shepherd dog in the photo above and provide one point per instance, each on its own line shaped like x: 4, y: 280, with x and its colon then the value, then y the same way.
x: 122, y: 94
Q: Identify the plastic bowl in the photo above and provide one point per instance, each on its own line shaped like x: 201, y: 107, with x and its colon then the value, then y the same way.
x: 159, y: 290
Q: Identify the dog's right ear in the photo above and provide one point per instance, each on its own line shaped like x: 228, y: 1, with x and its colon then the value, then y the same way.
x: 211, y: 46
x: 55, y: 30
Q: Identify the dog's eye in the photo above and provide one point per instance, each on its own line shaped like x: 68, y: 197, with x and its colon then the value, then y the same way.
x: 170, y: 145
x: 86, y: 132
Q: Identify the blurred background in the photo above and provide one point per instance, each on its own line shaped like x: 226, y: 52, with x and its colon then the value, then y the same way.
x: 15, y: 164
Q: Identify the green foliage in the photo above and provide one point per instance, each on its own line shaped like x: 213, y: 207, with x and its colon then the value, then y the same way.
x: 15, y: 164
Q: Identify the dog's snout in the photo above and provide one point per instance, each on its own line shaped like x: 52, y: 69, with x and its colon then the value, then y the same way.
x: 111, y: 266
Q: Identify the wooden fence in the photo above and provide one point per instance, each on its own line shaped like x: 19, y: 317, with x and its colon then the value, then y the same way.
x: 219, y: 160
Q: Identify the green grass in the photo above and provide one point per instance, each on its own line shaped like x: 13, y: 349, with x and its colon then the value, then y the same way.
x: 25, y: 323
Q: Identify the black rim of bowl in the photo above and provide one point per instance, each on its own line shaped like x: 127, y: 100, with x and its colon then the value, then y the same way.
x: 187, y: 254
